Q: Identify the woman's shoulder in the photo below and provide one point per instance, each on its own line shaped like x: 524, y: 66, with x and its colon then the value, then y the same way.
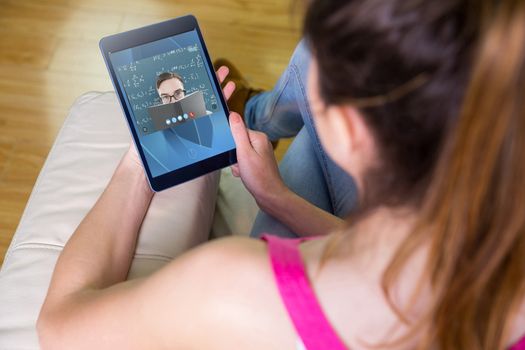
x: 236, y: 252
x: 248, y: 253
x: 242, y: 307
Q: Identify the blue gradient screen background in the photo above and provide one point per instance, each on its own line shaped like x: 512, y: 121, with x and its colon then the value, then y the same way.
x: 137, y: 69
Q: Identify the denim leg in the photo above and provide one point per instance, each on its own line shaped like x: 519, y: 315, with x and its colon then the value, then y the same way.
x: 306, y: 168
x: 276, y: 112
x: 340, y: 185
x: 302, y: 174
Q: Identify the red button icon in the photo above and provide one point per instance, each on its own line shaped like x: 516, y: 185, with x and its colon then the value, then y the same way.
x: 192, y: 114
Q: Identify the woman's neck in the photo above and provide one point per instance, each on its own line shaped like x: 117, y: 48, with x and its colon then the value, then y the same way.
x: 375, y: 236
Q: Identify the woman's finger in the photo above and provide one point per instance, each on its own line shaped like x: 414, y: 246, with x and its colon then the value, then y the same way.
x: 228, y: 90
x: 240, y: 135
x: 235, y: 170
x: 222, y: 73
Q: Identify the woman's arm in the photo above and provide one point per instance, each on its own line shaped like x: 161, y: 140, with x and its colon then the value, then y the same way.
x: 100, y: 251
x: 258, y: 170
x: 298, y: 214
x: 98, y: 254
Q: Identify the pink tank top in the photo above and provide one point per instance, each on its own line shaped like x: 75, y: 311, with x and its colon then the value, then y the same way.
x: 299, y: 298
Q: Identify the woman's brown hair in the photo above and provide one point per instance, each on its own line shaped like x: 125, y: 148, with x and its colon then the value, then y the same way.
x: 470, y: 179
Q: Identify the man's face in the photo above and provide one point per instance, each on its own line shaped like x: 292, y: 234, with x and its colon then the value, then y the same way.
x: 171, y: 90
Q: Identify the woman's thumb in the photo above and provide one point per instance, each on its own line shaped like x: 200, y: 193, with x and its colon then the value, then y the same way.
x: 239, y: 132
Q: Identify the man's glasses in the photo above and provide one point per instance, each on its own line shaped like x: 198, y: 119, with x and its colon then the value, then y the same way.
x: 177, y: 95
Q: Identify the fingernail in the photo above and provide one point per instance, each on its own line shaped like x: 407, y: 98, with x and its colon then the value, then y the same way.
x: 235, y: 118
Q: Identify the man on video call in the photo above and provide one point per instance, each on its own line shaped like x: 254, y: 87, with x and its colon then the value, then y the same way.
x: 170, y: 87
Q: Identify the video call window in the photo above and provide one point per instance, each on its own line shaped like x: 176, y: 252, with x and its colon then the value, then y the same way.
x: 173, y: 102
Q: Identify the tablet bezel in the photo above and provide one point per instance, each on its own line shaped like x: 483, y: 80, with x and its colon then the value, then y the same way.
x: 144, y: 35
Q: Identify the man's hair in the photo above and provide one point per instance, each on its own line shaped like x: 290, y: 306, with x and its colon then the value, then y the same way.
x: 167, y: 76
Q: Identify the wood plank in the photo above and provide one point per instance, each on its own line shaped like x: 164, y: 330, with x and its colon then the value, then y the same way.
x: 78, y: 55
x: 57, y: 20
x: 32, y: 50
x: 6, y: 148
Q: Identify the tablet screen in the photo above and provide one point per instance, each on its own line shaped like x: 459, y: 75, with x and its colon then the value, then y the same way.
x: 177, y: 114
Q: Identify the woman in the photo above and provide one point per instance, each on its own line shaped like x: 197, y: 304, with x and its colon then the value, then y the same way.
x: 433, y: 259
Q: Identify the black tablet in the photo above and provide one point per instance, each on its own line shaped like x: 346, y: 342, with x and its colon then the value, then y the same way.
x: 172, y: 100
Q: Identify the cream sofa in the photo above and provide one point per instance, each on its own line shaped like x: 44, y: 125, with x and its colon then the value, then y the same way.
x: 87, y: 150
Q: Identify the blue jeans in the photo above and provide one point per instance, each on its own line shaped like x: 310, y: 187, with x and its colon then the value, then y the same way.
x: 306, y: 168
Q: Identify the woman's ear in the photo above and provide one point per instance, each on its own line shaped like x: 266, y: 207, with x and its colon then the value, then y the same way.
x: 342, y: 130
x: 346, y: 138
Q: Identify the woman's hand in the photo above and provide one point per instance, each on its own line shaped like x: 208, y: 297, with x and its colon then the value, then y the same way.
x: 256, y: 163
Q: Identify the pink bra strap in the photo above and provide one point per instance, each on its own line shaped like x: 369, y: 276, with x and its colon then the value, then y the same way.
x: 298, y: 296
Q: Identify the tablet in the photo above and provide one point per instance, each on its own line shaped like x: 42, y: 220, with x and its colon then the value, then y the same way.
x: 172, y: 100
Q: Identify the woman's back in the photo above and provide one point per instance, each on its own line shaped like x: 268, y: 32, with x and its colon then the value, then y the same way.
x: 348, y: 290
x: 350, y: 294
x: 347, y: 287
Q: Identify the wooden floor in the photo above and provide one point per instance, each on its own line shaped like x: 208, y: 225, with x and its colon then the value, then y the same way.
x: 49, y: 55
